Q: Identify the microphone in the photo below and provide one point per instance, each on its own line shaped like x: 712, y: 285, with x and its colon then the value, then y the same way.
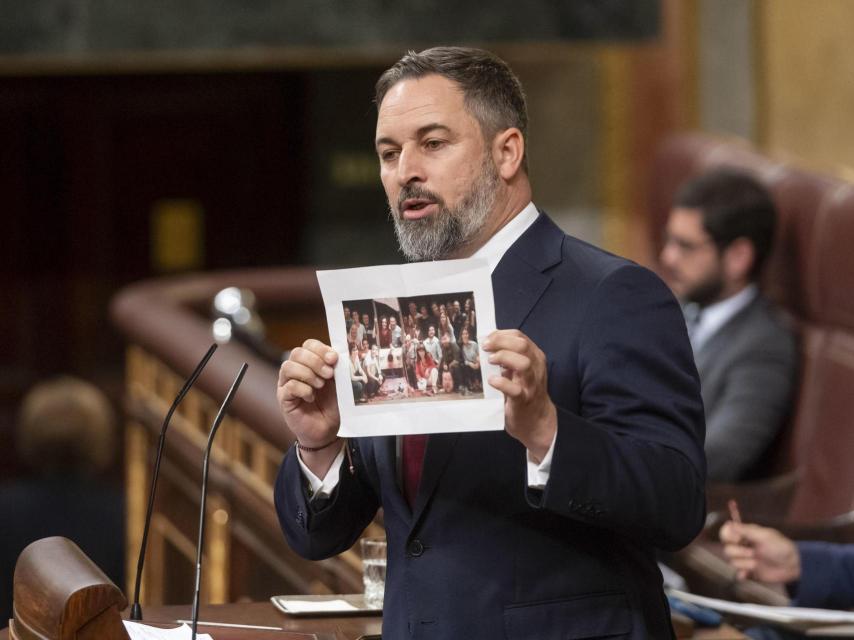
x: 216, y: 423
x: 136, y: 610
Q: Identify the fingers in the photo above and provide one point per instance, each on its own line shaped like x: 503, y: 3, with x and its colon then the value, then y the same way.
x: 730, y: 533
x: 509, y: 339
x: 308, y: 368
x: 511, y: 360
x: 507, y: 386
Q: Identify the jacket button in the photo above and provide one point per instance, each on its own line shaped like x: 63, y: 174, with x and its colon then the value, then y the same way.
x: 415, y: 548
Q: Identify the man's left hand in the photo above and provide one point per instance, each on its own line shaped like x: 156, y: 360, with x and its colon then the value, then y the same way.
x: 529, y: 414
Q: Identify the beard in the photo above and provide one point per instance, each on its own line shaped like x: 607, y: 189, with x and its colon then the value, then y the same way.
x: 445, y: 233
x: 706, y: 291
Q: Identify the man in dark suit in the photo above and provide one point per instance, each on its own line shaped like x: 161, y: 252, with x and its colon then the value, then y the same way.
x: 547, y: 529
x: 718, y: 235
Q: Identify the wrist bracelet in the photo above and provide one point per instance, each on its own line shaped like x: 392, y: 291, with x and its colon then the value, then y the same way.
x: 302, y: 447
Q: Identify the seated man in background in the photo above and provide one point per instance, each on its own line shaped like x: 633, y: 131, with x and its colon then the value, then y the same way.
x: 815, y: 574
x: 66, y: 435
x: 718, y: 235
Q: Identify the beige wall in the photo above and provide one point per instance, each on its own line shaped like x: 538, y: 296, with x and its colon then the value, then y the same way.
x: 806, y: 62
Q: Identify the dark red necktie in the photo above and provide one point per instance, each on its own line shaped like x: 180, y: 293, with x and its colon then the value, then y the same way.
x: 412, y: 452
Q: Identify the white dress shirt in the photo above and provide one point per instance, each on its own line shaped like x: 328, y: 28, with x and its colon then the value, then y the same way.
x: 492, y: 252
x: 716, y: 315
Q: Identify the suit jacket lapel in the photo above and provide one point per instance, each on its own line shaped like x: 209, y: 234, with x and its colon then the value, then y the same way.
x: 518, y: 281
x: 440, y: 446
x: 385, y: 453
x: 719, y: 339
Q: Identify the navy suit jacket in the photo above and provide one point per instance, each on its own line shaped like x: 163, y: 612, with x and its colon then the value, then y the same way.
x: 483, y: 556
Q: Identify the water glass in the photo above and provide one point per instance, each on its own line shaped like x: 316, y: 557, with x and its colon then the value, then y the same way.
x: 373, y: 570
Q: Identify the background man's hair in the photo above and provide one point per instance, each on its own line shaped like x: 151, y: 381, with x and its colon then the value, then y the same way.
x: 734, y: 205
x: 66, y: 425
x: 491, y: 91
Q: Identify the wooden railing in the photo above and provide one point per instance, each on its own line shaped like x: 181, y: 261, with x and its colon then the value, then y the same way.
x: 168, y: 329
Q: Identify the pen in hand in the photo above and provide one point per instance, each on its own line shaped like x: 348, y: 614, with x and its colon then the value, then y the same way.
x: 735, y: 516
x: 734, y: 513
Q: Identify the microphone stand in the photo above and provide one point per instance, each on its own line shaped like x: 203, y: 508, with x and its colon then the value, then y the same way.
x: 214, y: 428
x: 136, y: 610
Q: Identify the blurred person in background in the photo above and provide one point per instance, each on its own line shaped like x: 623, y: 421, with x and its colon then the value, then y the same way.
x: 66, y: 436
x: 813, y: 573
x: 719, y: 233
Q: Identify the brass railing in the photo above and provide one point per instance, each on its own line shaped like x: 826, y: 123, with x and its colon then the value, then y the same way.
x: 167, y: 329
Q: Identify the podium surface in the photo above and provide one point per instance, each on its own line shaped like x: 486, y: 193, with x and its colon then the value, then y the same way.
x: 305, y: 628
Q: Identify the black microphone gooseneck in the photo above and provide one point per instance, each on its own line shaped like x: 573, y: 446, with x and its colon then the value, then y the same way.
x: 136, y: 610
x: 216, y: 423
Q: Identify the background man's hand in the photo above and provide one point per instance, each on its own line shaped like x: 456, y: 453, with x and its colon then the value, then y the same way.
x: 760, y: 553
x: 306, y: 394
x: 529, y: 414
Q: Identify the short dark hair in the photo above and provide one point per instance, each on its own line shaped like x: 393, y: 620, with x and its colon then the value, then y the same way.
x: 491, y: 91
x: 734, y: 205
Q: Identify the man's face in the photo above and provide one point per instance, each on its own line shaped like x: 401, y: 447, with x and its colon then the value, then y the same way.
x: 691, y: 260
x: 392, y: 322
x: 365, y: 320
x: 437, y: 171
x: 431, y: 332
x: 412, y: 309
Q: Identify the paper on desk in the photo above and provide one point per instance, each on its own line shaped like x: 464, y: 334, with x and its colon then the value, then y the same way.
x: 139, y: 631
x: 795, y: 617
x: 390, y: 288
x: 316, y: 606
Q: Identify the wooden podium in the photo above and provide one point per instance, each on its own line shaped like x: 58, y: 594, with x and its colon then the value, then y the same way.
x: 60, y: 594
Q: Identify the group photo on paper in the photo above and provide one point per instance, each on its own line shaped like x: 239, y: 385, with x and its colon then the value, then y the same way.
x: 413, y: 348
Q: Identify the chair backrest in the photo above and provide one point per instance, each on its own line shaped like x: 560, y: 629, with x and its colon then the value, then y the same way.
x: 810, y: 274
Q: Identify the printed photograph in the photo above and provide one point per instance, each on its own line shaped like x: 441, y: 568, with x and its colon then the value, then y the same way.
x: 413, y: 349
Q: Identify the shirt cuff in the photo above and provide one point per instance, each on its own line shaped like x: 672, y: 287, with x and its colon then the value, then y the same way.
x: 538, y: 474
x: 323, y: 488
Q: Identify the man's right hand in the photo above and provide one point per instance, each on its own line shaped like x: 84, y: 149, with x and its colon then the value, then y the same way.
x: 761, y: 553
x: 306, y: 394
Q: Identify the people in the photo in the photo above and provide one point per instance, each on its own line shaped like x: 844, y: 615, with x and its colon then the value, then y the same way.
x: 451, y: 363
x: 445, y: 327
x: 431, y: 343
x: 426, y: 371
x: 410, y: 345
x: 384, y: 337
x: 371, y: 367
x: 423, y: 319
x: 370, y: 329
x: 357, y: 375
x: 353, y: 336
x: 471, y: 361
x: 396, y: 332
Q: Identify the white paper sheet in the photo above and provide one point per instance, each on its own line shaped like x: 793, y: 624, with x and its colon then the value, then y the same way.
x: 139, y: 631
x: 390, y: 282
x: 796, y: 617
x: 313, y: 606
